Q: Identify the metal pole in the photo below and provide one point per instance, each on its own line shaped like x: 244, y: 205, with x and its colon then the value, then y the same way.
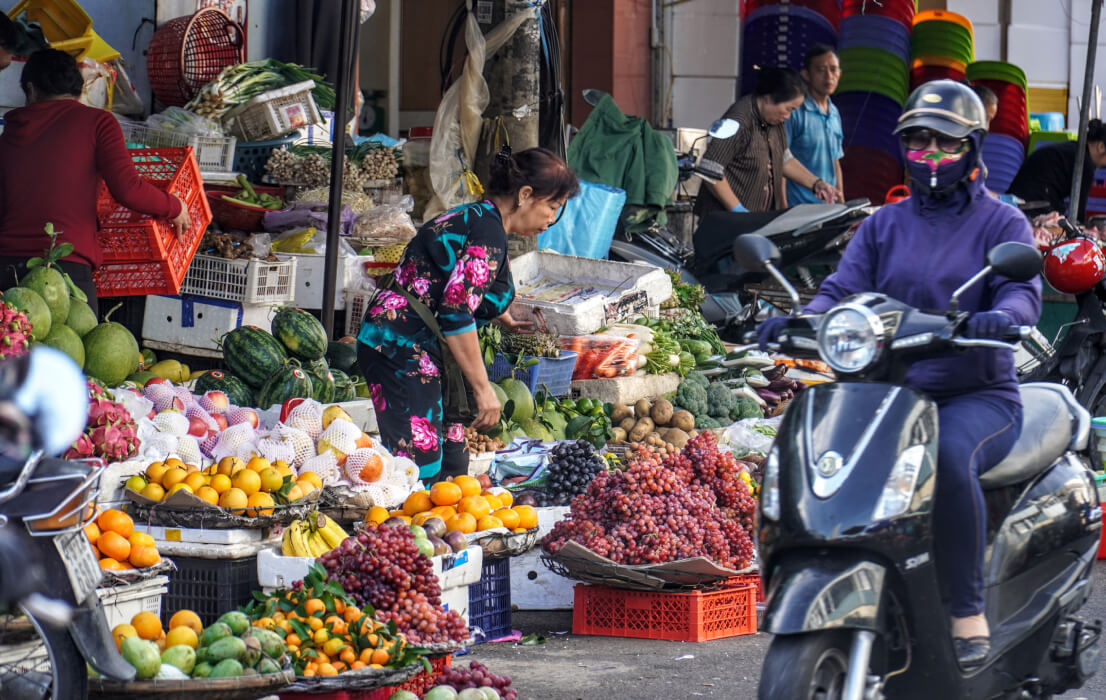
x: 347, y: 46
x: 1085, y: 111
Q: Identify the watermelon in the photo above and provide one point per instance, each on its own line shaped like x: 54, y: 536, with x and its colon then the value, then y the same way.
x: 318, y: 365
x: 215, y: 380
x: 343, y: 387
x: 300, y: 332
x: 341, y: 356
x: 253, y: 355
x: 286, y: 383
x: 322, y: 384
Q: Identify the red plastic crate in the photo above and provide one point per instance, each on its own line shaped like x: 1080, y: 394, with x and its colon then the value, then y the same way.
x: 752, y: 579
x: 127, y: 236
x: 693, y: 616
x: 417, y: 685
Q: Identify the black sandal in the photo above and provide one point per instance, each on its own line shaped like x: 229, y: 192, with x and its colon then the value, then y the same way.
x: 971, y: 652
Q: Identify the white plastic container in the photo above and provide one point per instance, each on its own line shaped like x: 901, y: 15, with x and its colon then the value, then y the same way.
x: 244, y: 281
x: 121, y: 603
x: 274, y: 113
x: 311, y: 275
x: 200, y: 536
x: 277, y: 571
x: 213, y: 153
x: 459, y: 569
x: 457, y: 599
x: 533, y: 585
x: 577, y: 296
x: 199, y: 322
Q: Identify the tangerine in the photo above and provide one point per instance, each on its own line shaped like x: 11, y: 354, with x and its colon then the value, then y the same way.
x: 248, y: 481
x: 476, y: 506
x: 282, y: 468
x: 182, y: 635
x: 154, y: 492
x: 508, y: 517
x: 117, y: 521
x: 144, y: 556
x: 109, y: 564
x: 229, y: 466
x: 380, y: 657
x: 114, y: 546
x: 271, y: 480
x: 173, y: 477
x: 377, y: 514
x: 493, y: 501
x: 327, y: 670
x: 445, y: 493
x: 179, y: 487
x: 234, y: 499
x: 195, y: 480
x: 155, y: 471
x: 503, y: 495
x: 92, y: 531
x: 527, y: 516
x: 488, y: 522
x: 469, y: 485
x: 258, y: 464
x: 147, y: 624
x: 294, y: 494
x: 208, y: 494
x: 260, y: 503
x: 306, y: 485
x: 462, y: 522
x: 417, y: 502
x: 444, y: 512
x: 314, y: 605
x: 173, y: 462
x: 186, y: 618
x: 121, y: 632
x: 312, y: 478
x: 141, y: 539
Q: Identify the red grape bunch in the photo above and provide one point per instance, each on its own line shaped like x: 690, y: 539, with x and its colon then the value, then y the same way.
x: 477, y: 675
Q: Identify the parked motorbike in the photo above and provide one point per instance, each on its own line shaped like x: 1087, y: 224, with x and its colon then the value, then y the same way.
x: 51, y: 619
x: 846, y: 542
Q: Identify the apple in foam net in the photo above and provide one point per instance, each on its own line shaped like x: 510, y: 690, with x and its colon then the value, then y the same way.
x: 219, y: 401
x: 220, y: 420
x: 197, y: 427
x: 156, y: 380
x: 243, y: 415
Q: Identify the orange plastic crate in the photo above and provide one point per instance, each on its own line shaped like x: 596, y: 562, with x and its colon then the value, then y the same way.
x: 693, y: 616
x: 417, y: 685
x: 752, y: 579
x: 127, y: 236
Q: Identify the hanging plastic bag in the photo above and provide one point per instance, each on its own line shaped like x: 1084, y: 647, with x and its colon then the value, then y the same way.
x: 387, y: 225
x: 588, y: 224
x: 602, y: 356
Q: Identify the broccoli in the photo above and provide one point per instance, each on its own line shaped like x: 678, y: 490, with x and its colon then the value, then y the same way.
x: 744, y: 407
x: 693, y: 397
x: 720, y: 400
x: 706, y: 423
x: 698, y: 378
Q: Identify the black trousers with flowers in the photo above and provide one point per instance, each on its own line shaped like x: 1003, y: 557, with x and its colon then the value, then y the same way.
x: 407, y: 398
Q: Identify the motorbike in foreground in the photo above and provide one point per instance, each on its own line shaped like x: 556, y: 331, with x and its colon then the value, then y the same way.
x: 51, y: 619
x: 846, y: 522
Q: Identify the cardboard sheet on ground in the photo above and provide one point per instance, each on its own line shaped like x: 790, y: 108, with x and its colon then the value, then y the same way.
x: 577, y: 561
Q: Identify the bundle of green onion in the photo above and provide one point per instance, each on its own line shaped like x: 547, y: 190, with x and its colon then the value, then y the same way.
x: 240, y: 83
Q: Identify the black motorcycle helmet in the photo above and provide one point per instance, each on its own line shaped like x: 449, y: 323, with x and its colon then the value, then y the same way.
x: 951, y: 108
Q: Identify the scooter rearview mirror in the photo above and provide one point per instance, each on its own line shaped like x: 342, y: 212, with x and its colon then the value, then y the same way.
x: 752, y: 251
x: 593, y: 96
x: 723, y: 128
x: 1016, y: 261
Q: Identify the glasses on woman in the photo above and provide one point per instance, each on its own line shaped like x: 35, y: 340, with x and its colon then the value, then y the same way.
x: 920, y: 139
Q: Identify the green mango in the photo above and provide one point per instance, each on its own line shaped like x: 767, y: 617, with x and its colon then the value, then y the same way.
x: 215, y: 632
x: 237, y: 621
x: 226, y: 648
x: 227, y: 668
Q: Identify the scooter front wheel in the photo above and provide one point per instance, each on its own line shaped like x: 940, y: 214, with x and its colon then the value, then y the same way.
x: 810, y: 666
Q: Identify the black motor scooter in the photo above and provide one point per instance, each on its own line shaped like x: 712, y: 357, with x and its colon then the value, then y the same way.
x: 846, y: 521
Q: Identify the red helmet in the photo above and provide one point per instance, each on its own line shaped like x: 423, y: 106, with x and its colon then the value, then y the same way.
x: 1074, y: 266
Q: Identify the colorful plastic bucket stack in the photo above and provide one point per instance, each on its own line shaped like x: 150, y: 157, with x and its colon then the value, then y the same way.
x: 779, y: 33
x: 875, y: 45
x: 1008, y: 134
x: 941, y: 46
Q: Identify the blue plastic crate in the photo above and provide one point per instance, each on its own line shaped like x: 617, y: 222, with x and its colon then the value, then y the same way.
x: 552, y: 375
x: 490, y: 601
x: 250, y: 157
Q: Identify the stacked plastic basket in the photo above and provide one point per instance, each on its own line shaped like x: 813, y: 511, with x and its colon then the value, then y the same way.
x: 942, y: 46
x: 779, y: 33
x: 874, y: 42
x: 1004, y: 147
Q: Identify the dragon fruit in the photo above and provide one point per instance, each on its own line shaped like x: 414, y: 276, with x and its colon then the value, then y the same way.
x: 15, y: 332
x: 110, y: 433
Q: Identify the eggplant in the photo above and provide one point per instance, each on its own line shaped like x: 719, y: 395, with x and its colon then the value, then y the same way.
x: 775, y: 372
x: 771, y: 397
x: 779, y: 385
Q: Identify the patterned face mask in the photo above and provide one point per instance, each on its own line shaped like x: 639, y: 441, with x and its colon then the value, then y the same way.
x: 934, y: 157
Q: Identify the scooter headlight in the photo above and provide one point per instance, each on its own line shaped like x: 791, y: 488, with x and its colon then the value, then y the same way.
x: 898, y: 492
x: 770, y: 486
x: 850, y: 338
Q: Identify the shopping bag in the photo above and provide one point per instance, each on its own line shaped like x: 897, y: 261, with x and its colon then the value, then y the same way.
x: 587, y: 226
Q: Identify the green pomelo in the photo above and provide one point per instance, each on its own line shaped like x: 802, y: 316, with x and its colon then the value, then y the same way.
x: 517, y: 392
x: 64, y: 338
x: 535, y: 429
x: 110, y: 353
x: 51, y: 286
x: 81, y: 318
x: 33, y: 307
x: 499, y: 394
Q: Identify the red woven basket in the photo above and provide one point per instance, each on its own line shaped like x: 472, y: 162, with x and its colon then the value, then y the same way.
x: 188, y: 52
x: 236, y: 217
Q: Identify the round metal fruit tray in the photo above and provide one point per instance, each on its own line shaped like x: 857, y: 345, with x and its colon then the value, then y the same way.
x: 361, y: 679
x: 241, y: 688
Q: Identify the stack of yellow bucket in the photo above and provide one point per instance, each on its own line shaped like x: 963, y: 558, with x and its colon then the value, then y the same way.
x: 67, y: 27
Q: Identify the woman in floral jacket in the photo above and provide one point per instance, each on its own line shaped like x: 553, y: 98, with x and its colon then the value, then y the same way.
x: 457, y: 266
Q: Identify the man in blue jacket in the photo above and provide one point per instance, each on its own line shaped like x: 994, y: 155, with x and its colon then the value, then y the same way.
x: 919, y: 251
x: 814, y: 130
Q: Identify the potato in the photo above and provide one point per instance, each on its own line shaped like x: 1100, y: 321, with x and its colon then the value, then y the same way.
x: 676, y: 437
x: 627, y: 423
x: 683, y: 420
x: 642, y: 408
x: 618, y: 435
x: 641, y: 429
x: 662, y: 412
x: 619, y: 412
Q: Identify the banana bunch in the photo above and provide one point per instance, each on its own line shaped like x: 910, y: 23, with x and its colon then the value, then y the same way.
x: 312, y: 537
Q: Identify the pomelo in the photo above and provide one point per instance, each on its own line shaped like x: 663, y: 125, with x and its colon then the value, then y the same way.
x: 64, y: 338
x: 535, y: 429
x: 110, y: 352
x: 517, y: 392
x: 33, y: 307
x: 81, y: 317
x: 51, y: 286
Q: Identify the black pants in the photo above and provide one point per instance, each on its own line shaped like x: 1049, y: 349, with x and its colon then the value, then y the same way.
x: 12, y: 268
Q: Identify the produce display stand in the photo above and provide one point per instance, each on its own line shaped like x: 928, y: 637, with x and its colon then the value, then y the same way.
x: 183, y: 510
x: 242, y: 688
x: 361, y: 679
x: 578, y: 562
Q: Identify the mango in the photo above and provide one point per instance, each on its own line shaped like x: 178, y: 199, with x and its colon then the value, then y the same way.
x: 227, y: 668
x: 202, y: 670
x: 143, y: 655
x: 182, y: 656
x: 215, y: 632
x: 267, y: 665
x: 227, y: 648
x: 237, y: 621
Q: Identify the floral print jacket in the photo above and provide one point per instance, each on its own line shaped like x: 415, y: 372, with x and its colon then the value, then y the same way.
x: 457, y: 265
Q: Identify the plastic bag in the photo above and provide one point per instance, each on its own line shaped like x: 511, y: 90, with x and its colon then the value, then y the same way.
x: 304, y: 215
x: 744, y: 434
x: 184, y: 122
x: 602, y: 356
x: 588, y: 224
x: 387, y: 225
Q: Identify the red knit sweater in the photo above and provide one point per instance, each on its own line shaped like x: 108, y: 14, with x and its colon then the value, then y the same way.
x: 53, y: 155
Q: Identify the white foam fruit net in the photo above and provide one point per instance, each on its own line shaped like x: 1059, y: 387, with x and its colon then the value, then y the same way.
x: 385, y: 495
x: 189, y: 450
x: 195, y: 411
x: 308, y: 417
x: 408, y: 469
x: 359, y: 458
x: 154, y: 392
x: 272, y: 447
x: 302, y: 444
x: 233, y: 440
x: 172, y: 423
x: 325, y: 466
x: 341, y: 435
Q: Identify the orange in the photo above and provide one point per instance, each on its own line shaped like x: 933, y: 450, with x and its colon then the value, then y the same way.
x: 139, y: 539
x: 508, y: 517
x: 315, y: 623
x: 493, y: 501
x: 356, y: 665
x: 366, y: 656
x: 147, y: 624
x: 307, y: 485
x: 206, y: 493
x: 337, y: 625
x: 282, y: 468
x: 476, y: 506
x: 260, y: 503
x: 195, y: 480
x: 488, y: 522
x: 114, y: 546
x: 258, y: 464
x: 173, y: 462
x: 462, y: 522
x: 445, y: 493
x: 444, y: 512
x: 527, y: 517
x: 339, y: 606
x: 248, y: 481
x: 351, y: 614
x: 92, y: 531
x: 321, y: 636
x: 417, y: 502
x: 380, y: 657
x: 221, y: 482
x: 143, y: 556
x: 182, y: 635
x: 327, y: 670
x: 154, y: 492
x: 109, y: 564
x: 469, y: 485
x: 333, y: 646
x: 117, y: 521
x: 373, y: 469
x: 179, y: 487
x: 504, y: 496
x: 121, y: 632
x: 311, y: 477
x: 314, y: 605
x: 155, y: 471
x: 294, y: 494
x: 186, y: 618
x: 173, y: 477
x: 229, y: 466
x: 271, y: 480
x: 293, y: 640
x: 234, y: 499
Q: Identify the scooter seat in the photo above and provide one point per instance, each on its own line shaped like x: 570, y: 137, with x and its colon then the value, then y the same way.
x: 1052, y: 423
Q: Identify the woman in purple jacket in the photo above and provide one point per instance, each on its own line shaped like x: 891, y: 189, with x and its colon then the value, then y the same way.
x: 919, y: 251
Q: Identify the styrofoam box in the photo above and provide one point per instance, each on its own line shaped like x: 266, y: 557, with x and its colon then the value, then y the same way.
x: 533, y: 585
x: 200, y: 550
x: 121, y: 603
x: 311, y: 276
x: 632, y: 289
x: 198, y: 322
x: 199, y: 535
x: 459, y: 569
x: 457, y: 599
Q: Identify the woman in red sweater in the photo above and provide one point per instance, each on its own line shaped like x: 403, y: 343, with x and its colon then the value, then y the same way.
x: 53, y: 154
